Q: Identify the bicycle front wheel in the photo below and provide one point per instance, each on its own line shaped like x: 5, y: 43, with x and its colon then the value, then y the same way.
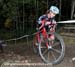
x: 55, y: 53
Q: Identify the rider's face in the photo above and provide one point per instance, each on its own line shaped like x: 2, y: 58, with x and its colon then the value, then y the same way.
x: 51, y: 14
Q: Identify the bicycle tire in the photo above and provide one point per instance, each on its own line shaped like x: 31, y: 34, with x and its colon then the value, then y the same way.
x: 60, y: 58
x: 35, y: 48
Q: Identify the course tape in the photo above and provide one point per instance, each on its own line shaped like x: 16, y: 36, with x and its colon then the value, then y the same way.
x: 21, y: 37
x: 68, y: 21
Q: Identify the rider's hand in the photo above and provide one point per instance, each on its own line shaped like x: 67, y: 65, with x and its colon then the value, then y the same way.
x: 37, y: 29
x: 47, y: 23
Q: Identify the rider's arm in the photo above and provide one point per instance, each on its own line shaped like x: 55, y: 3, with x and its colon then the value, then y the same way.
x: 47, y: 23
x: 42, y: 25
x: 54, y: 26
x: 41, y: 21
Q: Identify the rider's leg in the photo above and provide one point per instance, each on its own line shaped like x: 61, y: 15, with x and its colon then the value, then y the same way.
x: 51, y: 39
x: 45, y: 36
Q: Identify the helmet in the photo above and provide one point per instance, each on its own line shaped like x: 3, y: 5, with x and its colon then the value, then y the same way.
x: 54, y: 9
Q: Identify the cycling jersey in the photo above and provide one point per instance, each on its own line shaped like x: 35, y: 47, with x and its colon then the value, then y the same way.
x: 46, y: 20
x: 45, y: 17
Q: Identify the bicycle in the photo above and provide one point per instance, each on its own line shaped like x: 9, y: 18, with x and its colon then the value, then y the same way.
x: 53, y: 52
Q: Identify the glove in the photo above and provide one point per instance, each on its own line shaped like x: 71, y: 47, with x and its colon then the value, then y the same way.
x: 37, y: 29
x: 47, y: 23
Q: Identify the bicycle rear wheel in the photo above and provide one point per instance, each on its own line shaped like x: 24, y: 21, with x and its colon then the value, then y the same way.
x: 35, y: 45
x: 55, y: 53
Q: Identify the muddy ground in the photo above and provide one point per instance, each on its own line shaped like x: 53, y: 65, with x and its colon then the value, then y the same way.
x: 23, y: 52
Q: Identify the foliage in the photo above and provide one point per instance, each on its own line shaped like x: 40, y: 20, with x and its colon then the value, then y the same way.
x: 8, y: 8
x: 20, y: 16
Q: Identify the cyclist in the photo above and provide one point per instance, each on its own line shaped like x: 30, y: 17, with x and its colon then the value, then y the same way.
x: 48, y: 20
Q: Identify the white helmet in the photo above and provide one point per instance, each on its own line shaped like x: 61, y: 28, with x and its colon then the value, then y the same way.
x: 54, y: 9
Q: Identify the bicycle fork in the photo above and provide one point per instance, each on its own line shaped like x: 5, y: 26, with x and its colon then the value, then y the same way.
x: 49, y: 43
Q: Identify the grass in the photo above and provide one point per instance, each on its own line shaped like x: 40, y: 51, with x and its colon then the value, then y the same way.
x: 69, y: 40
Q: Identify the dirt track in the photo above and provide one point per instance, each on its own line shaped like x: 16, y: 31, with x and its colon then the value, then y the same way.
x: 24, y: 53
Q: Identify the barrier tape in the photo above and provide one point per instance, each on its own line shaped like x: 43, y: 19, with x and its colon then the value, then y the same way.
x: 68, y: 21
x: 20, y: 37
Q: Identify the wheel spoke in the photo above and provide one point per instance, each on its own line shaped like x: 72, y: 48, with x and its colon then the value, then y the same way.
x: 48, y: 55
x: 45, y: 52
x: 53, y: 55
x: 56, y: 50
x: 55, y: 44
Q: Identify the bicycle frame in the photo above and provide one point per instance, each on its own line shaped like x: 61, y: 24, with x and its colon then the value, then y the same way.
x: 44, y: 34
